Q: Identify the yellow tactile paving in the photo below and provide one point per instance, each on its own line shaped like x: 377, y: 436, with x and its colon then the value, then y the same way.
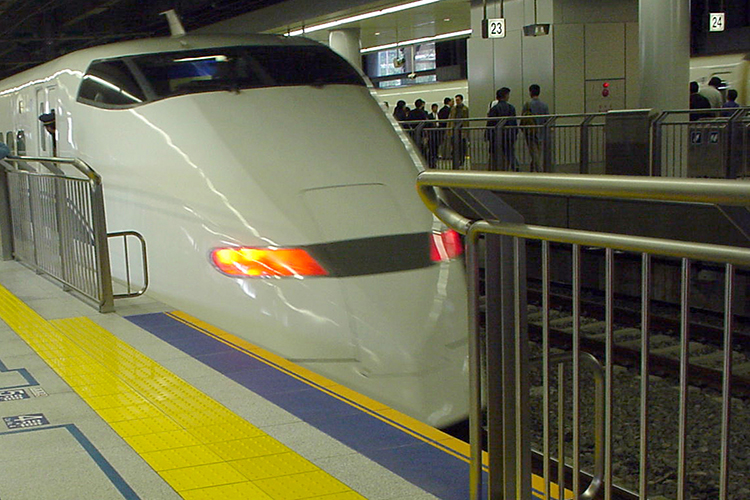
x: 199, y: 447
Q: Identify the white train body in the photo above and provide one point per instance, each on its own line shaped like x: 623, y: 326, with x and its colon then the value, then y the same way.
x: 318, y: 167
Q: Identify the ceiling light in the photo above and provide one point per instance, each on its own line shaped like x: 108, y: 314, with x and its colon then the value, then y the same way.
x: 361, y: 17
x: 454, y: 34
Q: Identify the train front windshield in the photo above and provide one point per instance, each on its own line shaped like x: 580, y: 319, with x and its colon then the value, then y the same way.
x: 136, y: 80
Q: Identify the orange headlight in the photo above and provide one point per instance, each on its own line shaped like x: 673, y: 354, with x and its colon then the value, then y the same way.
x: 266, y: 262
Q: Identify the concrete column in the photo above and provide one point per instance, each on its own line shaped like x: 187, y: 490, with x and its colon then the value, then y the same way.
x: 664, y: 33
x: 346, y: 43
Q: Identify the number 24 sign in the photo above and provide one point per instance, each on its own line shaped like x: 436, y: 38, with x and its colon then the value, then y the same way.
x: 496, y: 28
x: 716, y: 21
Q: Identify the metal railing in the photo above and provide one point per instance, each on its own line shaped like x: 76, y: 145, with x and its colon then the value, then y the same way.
x: 701, y: 143
x: 545, y: 143
x: 500, y: 369
x: 684, y: 143
x: 58, y: 224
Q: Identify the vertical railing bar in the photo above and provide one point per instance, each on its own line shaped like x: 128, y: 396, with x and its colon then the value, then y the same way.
x: 561, y: 431
x: 645, y: 372
x: 608, y: 366
x: 475, y: 380
x: 546, y: 366
x: 83, y: 262
x: 523, y: 445
x: 726, y: 398
x: 576, y: 368
x: 684, y: 360
x: 127, y: 261
x: 32, y: 213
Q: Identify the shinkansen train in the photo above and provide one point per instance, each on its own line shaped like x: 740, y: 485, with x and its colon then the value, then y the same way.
x: 276, y: 199
x: 733, y: 69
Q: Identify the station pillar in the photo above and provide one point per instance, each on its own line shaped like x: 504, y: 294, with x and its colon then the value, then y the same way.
x: 598, y: 56
x: 346, y: 43
x: 664, y: 33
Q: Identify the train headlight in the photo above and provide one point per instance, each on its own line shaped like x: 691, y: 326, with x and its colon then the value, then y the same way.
x: 445, y: 245
x: 265, y: 262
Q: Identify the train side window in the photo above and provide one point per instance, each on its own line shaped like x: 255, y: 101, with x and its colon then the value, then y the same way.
x: 21, y: 143
x: 110, y: 84
x: 10, y: 142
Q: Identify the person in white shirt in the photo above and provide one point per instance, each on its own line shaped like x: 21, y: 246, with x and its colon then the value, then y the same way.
x: 711, y: 92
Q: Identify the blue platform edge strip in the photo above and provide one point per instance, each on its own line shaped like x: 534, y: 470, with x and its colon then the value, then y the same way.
x: 115, y: 478
x: 419, y: 462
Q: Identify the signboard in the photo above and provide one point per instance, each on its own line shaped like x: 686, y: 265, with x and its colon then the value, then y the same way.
x: 493, y: 28
x: 716, y: 21
x: 23, y: 421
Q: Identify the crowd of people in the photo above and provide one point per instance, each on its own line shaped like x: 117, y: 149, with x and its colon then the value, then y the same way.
x: 710, y: 97
x: 444, y: 137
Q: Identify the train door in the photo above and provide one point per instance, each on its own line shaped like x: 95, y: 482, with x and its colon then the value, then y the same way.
x: 45, y: 102
x: 19, y: 113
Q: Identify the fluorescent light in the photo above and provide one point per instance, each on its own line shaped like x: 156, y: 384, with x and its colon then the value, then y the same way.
x: 203, y: 58
x: 361, y: 17
x: 453, y: 34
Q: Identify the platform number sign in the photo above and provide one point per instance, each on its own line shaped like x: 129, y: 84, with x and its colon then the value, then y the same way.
x: 716, y: 21
x: 494, y: 28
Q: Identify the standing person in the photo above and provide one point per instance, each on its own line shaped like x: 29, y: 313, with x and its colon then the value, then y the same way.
x: 399, y: 112
x: 507, y: 141
x: 697, y: 101
x: 445, y: 111
x: 443, y: 114
x: 455, y: 133
x: 418, y: 121
x: 532, y: 133
x: 433, y: 111
x: 712, y: 93
x: 731, y: 102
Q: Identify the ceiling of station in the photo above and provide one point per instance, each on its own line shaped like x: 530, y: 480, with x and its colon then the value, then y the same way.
x: 445, y: 16
x: 35, y: 31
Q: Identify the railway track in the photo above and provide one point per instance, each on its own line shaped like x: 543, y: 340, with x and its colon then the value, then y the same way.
x: 705, y: 347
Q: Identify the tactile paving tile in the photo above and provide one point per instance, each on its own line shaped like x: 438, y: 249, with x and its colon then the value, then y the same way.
x: 170, y: 423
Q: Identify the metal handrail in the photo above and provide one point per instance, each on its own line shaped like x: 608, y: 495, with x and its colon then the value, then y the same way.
x: 79, y: 164
x: 144, y: 260
x: 695, y: 191
x: 713, y: 191
x: 597, y: 478
x: 99, y: 225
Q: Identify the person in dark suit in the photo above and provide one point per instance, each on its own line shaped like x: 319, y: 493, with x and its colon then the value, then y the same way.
x: 509, y: 131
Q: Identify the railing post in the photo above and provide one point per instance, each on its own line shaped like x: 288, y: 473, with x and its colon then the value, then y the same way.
x: 735, y: 144
x: 6, y: 224
x: 547, y: 148
x: 584, y: 147
x: 106, y: 294
x: 456, y: 150
x: 657, y: 135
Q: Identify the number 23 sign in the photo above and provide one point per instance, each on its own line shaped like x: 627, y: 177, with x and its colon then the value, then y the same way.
x: 496, y: 28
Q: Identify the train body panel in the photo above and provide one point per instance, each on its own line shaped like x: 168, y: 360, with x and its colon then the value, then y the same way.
x: 316, y: 166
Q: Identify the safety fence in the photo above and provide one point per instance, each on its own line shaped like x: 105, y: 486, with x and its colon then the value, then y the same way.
x: 57, y: 225
x: 686, y: 143
x: 557, y: 396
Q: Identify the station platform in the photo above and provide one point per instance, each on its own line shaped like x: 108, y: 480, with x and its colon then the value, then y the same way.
x: 151, y: 403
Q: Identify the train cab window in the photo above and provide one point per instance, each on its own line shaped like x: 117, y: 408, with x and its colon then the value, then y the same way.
x: 135, y: 80
x: 10, y: 142
x: 110, y: 84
